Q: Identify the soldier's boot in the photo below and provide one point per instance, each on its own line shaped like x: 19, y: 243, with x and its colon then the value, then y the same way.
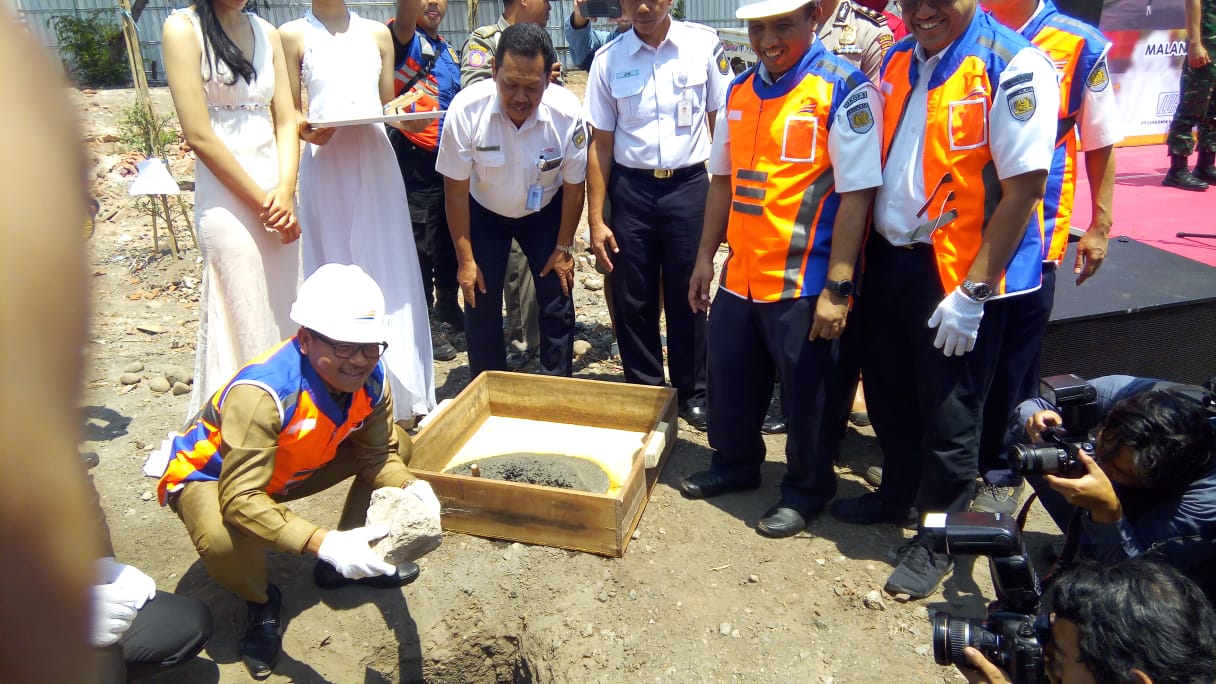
x: 1205, y: 169
x: 1180, y: 176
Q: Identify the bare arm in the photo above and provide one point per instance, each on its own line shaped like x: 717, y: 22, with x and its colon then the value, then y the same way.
x: 384, y: 40
x: 468, y: 273
x: 717, y: 211
x: 831, y: 310
x: 293, y: 55
x: 599, y: 169
x: 1196, y: 54
x: 1019, y: 196
x: 279, y: 204
x: 183, y: 54
x: 1091, y: 250
x: 406, y: 21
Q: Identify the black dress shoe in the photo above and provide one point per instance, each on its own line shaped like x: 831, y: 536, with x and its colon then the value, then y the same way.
x: 773, y: 426
x: 695, y: 416
x: 710, y: 483
x: 326, y: 577
x: 868, y: 509
x: 263, y: 640
x: 448, y: 311
x: 781, y: 521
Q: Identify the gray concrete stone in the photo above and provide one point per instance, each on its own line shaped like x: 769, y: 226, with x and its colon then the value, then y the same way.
x: 414, y: 529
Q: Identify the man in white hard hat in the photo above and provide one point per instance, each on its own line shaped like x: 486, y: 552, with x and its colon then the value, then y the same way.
x: 299, y: 419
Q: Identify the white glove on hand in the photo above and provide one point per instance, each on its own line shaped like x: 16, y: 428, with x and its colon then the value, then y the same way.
x: 127, y: 580
x: 349, y: 553
x: 421, y: 490
x: 113, y: 614
x: 957, y: 319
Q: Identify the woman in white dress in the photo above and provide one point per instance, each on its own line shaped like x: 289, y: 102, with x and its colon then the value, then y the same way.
x: 353, y: 208
x: 229, y: 84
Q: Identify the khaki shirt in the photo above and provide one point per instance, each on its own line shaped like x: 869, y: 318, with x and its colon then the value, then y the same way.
x: 477, y: 55
x: 859, y: 35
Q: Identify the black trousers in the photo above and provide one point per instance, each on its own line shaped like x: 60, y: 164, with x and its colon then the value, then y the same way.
x: 491, y: 235
x: 657, y: 224
x: 926, y: 408
x: 748, y: 342
x: 429, y: 219
x: 168, y: 631
x: 1017, y: 373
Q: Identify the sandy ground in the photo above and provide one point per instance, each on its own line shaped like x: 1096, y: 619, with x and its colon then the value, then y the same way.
x: 699, y: 597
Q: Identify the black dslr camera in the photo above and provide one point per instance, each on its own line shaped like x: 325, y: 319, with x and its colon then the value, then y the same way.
x: 1013, y: 634
x: 1076, y: 402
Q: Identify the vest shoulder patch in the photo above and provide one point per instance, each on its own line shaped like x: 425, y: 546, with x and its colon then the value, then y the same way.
x: 861, y: 119
x: 1022, y: 103
x: 1099, y: 78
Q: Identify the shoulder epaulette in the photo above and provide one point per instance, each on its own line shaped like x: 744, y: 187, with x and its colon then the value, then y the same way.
x: 873, y: 16
x: 486, y: 31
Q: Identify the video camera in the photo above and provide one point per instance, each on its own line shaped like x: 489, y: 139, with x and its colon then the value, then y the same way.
x: 1076, y: 402
x: 1013, y: 634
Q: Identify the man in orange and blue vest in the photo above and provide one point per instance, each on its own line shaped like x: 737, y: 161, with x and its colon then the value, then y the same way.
x: 302, y: 417
x: 969, y: 127
x: 1087, y: 106
x: 794, y: 219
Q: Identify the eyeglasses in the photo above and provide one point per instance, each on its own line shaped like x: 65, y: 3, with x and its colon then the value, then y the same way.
x: 345, y: 350
x: 911, y: 5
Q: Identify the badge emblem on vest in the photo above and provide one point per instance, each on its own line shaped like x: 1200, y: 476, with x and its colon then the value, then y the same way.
x: 860, y: 118
x: 1099, y: 78
x: 1022, y: 103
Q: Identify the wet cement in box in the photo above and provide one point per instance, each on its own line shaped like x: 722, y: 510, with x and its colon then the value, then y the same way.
x: 549, y: 470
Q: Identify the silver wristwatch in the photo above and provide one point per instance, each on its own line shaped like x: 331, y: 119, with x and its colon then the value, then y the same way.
x: 568, y: 250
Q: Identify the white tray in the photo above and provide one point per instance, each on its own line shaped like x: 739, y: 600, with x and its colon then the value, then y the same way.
x: 383, y: 118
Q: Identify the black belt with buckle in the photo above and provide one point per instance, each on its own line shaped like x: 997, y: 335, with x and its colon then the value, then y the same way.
x: 662, y: 174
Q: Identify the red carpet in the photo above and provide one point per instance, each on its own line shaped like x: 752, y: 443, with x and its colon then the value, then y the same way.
x: 1151, y: 212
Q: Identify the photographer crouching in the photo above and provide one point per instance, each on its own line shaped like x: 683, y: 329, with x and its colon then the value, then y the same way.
x: 1146, y: 485
x: 1135, y: 622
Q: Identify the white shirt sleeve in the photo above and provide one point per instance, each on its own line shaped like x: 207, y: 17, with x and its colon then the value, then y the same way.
x: 455, y: 158
x: 601, y: 107
x: 719, y: 149
x: 719, y: 83
x: 1024, y: 115
x: 574, y: 166
x: 855, y: 141
x: 1099, y: 116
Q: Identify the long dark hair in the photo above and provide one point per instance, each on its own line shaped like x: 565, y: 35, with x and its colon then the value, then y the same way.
x: 226, y: 51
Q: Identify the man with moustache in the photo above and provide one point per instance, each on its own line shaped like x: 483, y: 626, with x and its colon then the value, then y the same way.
x: 969, y: 125
x: 426, y: 64
x: 794, y: 169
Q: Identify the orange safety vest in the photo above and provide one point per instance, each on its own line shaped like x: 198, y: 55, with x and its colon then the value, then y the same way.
x: 960, y: 176
x: 1078, y: 52
x: 313, y: 425
x: 436, y: 61
x: 784, y: 198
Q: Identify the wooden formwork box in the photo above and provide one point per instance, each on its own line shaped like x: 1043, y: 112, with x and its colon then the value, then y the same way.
x: 569, y: 519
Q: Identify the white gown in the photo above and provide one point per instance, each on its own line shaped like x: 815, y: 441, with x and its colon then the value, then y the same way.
x: 249, y: 277
x: 353, y: 208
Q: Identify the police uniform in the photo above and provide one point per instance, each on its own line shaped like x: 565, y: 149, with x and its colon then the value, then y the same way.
x: 994, y: 117
x: 655, y: 101
x: 439, y: 82
x: 1087, y: 105
x: 782, y: 143
x: 1197, y: 106
x: 503, y: 164
x: 523, y: 327
x: 859, y: 35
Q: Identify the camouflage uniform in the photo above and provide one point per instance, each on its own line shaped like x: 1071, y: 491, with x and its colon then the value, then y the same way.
x: 859, y: 35
x: 1197, y: 106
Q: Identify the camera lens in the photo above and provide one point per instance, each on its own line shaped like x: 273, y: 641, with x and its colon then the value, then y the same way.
x: 1031, y: 460
x: 951, y: 635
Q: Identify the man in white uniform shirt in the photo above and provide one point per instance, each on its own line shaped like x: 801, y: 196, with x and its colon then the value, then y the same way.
x: 652, y: 97
x: 514, y: 158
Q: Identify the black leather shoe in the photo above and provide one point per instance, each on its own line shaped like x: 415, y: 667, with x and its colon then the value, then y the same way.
x: 781, y: 521
x: 773, y: 426
x: 325, y: 576
x: 448, y: 311
x: 441, y: 347
x: 1179, y: 176
x: 696, y: 416
x: 868, y: 509
x: 710, y: 483
x: 263, y: 640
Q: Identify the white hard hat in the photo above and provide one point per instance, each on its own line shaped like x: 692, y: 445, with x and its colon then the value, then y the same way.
x: 758, y: 9
x: 342, y: 303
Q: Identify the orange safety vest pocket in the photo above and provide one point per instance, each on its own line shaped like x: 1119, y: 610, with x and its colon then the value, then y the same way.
x: 798, y: 140
x: 968, y: 123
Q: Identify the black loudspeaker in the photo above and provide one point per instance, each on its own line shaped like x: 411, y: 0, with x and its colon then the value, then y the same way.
x: 1147, y: 312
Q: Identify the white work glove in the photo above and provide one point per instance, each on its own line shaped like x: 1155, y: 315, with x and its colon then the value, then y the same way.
x: 349, y: 553
x: 421, y: 490
x: 130, y: 583
x: 113, y: 614
x: 957, y: 319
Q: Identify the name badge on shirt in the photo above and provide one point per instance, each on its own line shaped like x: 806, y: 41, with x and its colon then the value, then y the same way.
x: 628, y: 74
x: 684, y: 111
x: 535, y: 193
